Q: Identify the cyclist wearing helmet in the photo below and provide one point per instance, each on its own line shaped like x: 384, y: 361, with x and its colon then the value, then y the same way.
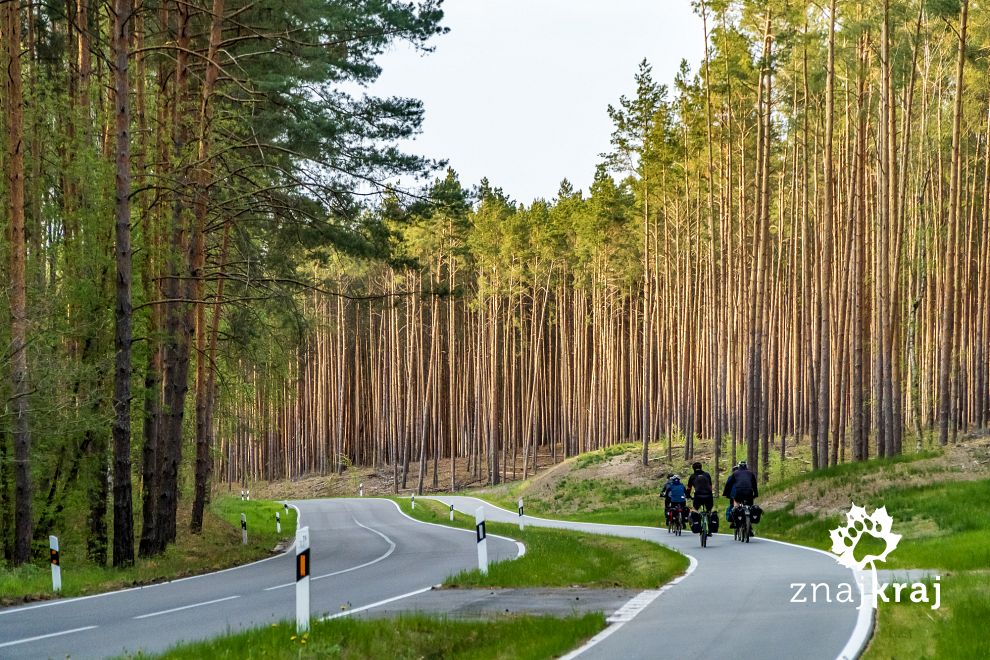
x: 676, y: 493
x: 701, y: 483
x: 665, y: 494
x: 741, y: 487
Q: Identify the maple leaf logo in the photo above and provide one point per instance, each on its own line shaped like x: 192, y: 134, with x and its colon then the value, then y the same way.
x: 878, y: 525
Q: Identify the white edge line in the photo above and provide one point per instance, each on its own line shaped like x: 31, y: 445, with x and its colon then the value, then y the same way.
x: 519, y: 545
x: 63, y: 601
x: 647, y: 597
x: 388, y: 552
x: 35, y: 639
x: 865, y: 620
x: 185, y: 607
x: 863, y: 631
x: 379, y: 603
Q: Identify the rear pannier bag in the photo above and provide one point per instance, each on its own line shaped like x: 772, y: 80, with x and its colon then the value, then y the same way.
x: 695, y: 522
x: 755, y: 513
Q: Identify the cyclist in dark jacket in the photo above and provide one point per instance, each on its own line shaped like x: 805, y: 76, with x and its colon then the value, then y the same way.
x: 701, y: 483
x: 741, y: 487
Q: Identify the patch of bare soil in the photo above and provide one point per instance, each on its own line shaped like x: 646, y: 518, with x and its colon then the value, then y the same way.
x: 968, y: 460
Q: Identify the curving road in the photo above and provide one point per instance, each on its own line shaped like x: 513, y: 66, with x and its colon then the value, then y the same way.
x: 364, y: 552
x: 741, y: 593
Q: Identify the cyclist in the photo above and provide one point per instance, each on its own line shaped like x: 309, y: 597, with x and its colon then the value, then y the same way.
x: 677, y: 494
x: 740, y: 487
x: 665, y: 494
x: 701, y: 483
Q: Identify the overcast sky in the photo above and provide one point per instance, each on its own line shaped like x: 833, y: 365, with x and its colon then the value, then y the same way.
x: 518, y: 90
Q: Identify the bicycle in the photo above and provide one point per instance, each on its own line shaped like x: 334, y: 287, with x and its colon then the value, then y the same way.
x: 675, y: 519
x: 744, y: 528
x: 704, y: 514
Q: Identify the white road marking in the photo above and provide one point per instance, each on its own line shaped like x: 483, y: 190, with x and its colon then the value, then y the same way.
x: 35, y: 639
x: 185, y: 607
x: 628, y: 612
x: 379, y: 603
x: 391, y: 549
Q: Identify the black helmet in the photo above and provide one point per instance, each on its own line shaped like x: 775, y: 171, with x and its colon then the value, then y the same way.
x: 742, y: 465
x: 671, y: 475
x: 675, y: 479
x: 696, y: 466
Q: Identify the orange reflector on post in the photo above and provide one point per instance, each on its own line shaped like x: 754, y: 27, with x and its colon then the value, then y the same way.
x: 302, y: 564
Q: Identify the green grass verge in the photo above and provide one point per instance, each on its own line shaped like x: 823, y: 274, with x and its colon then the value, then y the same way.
x: 219, y: 546
x: 561, y: 558
x: 957, y: 630
x: 407, y: 637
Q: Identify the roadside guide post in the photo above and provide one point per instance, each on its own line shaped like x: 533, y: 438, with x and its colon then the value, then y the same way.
x: 278, y: 523
x: 361, y: 490
x: 522, y: 525
x: 56, y: 564
x: 243, y: 529
x: 451, y: 513
x: 413, y: 505
x: 303, y: 569
x: 479, y: 529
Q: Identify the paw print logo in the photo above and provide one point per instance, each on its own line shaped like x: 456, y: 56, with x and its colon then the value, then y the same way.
x: 877, y: 525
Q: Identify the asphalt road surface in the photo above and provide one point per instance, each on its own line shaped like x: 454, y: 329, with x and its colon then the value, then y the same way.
x: 735, y: 602
x: 364, y: 551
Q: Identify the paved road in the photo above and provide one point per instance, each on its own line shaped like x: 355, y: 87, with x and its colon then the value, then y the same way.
x: 363, y: 551
x: 742, y: 593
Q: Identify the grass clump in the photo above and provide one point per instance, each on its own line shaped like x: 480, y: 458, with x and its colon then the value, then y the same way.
x: 560, y: 558
x: 407, y: 637
x: 217, y: 547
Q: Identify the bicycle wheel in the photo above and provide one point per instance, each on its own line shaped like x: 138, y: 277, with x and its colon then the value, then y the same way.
x: 704, y: 529
x: 747, y: 529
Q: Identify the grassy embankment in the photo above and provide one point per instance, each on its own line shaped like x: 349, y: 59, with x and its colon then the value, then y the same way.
x: 936, y: 497
x: 218, y: 547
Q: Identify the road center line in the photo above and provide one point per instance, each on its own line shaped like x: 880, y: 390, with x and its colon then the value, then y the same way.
x: 391, y: 549
x: 35, y: 639
x: 185, y: 607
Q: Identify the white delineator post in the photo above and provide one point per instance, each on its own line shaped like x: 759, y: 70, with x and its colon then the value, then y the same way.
x: 278, y: 523
x: 243, y: 529
x: 522, y: 525
x: 413, y: 505
x: 249, y: 494
x: 451, y: 513
x: 303, y: 569
x: 479, y: 529
x: 242, y: 494
x: 361, y: 490
x: 56, y: 563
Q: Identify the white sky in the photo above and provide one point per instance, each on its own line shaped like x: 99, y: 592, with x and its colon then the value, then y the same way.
x: 518, y: 90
